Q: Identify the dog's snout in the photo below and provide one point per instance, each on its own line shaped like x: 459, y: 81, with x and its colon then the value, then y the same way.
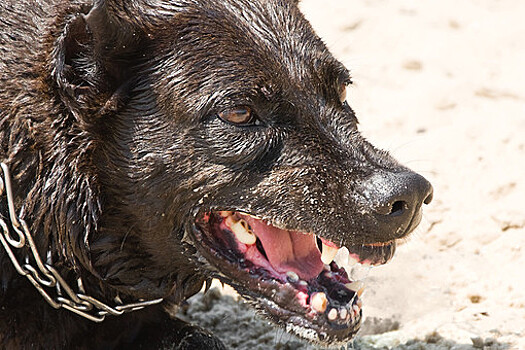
x: 396, y: 199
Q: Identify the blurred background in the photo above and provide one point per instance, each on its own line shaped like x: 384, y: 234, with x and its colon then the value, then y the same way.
x: 441, y: 85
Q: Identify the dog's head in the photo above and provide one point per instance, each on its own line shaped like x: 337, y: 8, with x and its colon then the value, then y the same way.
x: 223, y: 145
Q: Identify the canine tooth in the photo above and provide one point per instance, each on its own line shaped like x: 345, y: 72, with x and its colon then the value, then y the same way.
x: 360, y: 291
x: 343, y: 313
x: 243, y: 233
x: 328, y: 254
x: 332, y: 315
x: 225, y: 214
x: 355, y: 286
x: 292, y: 276
x: 341, y: 258
x: 319, y: 302
x: 352, y: 261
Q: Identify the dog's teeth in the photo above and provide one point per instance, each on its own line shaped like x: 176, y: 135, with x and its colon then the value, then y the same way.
x: 352, y: 261
x: 243, y: 232
x: 341, y: 258
x: 319, y: 302
x: 360, y: 291
x: 292, y: 276
x: 328, y: 254
x: 355, y: 286
x: 343, y: 313
x: 303, y: 283
x: 225, y: 214
x: 332, y: 315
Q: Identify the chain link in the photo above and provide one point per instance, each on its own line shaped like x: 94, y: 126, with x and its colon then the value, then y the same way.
x: 44, y: 276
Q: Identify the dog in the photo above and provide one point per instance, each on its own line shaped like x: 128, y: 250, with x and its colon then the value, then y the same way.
x: 152, y: 145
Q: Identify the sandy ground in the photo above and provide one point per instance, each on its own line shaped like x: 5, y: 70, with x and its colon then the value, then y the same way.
x: 441, y: 84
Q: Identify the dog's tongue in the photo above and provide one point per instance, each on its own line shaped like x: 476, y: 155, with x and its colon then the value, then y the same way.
x: 289, y: 250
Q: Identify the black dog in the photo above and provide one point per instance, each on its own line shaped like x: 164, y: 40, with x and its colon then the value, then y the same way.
x: 152, y: 145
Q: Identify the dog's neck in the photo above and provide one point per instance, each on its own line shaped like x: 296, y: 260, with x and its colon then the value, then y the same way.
x: 39, y: 270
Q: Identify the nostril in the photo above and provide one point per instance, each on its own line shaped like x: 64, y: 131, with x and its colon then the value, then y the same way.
x: 429, y: 197
x: 398, y: 208
x: 398, y: 194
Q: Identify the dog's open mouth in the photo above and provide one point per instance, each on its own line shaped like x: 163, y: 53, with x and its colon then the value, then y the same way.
x: 300, y: 280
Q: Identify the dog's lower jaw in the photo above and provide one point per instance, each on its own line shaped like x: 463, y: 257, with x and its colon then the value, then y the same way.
x: 320, y: 305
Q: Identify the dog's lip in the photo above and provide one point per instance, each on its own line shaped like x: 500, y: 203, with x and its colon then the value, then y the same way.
x: 281, y: 298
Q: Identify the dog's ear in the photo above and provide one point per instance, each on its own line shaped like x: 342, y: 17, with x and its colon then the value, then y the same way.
x: 92, y: 59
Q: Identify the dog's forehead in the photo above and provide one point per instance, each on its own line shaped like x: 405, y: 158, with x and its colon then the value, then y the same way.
x: 255, y: 40
x: 217, y: 55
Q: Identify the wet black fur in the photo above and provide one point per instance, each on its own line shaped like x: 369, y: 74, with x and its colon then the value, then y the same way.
x: 108, y: 121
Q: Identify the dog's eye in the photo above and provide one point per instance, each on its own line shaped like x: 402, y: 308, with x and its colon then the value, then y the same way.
x: 342, y: 93
x: 239, y: 115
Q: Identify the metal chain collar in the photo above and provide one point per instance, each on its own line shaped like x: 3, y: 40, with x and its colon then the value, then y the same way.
x: 44, y: 276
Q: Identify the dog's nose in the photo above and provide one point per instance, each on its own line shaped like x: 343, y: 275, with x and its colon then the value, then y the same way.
x: 396, y: 199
